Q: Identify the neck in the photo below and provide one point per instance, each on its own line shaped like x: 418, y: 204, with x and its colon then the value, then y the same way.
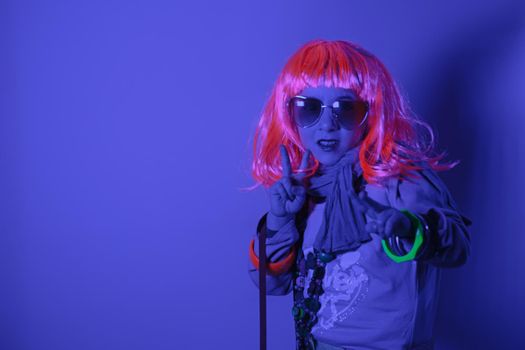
x: 351, y: 156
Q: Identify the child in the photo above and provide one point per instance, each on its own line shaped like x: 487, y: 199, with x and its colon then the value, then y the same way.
x: 359, y: 224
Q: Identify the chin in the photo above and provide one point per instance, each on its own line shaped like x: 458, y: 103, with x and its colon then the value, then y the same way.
x: 328, y: 159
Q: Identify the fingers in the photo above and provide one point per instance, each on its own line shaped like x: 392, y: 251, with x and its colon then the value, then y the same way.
x: 374, y: 206
x: 389, y: 226
x: 296, y: 204
x: 299, y: 191
x: 374, y: 227
x: 380, y: 218
x: 367, y: 202
x: 398, y: 224
x: 286, y: 182
x: 375, y: 218
x: 287, y: 165
x: 377, y: 228
x: 362, y: 205
x: 383, y: 225
x: 285, y: 159
x: 282, y: 191
x: 289, y: 192
x: 303, y: 166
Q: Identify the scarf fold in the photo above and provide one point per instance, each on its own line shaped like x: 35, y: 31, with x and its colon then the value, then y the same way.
x: 343, y: 226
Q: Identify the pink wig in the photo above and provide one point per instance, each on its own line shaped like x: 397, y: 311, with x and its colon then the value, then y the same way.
x: 394, y: 139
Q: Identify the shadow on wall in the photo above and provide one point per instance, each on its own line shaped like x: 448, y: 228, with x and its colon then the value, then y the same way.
x: 477, y: 105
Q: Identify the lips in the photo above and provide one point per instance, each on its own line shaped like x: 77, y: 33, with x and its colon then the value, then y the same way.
x: 327, y: 142
x: 328, y: 145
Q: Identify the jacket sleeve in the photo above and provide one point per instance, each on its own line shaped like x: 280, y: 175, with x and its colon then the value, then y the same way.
x: 278, y: 245
x: 446, y: 239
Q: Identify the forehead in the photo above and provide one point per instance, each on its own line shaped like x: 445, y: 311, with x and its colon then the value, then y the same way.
x: 327, y: 94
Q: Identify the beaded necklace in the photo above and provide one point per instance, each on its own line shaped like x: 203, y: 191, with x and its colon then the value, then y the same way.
x: 305, y: 309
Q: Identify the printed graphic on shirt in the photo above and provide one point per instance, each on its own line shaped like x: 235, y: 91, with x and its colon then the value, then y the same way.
x: 345, y: 284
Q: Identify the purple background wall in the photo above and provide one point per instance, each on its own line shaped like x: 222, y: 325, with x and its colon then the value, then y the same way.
x: 126, y: 133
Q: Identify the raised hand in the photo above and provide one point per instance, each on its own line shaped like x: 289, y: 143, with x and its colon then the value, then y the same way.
x: 287, y: 195
x: 383, y: 220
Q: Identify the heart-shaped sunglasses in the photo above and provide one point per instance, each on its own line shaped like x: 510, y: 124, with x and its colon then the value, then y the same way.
x: 306, y: 111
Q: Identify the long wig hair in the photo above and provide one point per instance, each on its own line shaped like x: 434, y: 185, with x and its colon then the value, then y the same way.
x: 394, y: 141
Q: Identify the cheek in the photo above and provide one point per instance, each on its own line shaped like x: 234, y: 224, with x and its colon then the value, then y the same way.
x: 307, y: 138
x: 352, y: 139
x: 348, y: 139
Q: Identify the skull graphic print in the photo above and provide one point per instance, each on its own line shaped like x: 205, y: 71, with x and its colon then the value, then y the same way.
x: 345, y: 285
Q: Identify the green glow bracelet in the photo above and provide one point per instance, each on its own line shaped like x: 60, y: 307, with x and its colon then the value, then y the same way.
x: 415, y: 247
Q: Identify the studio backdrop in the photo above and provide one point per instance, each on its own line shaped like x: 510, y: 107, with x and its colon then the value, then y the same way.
x: 126, y: 132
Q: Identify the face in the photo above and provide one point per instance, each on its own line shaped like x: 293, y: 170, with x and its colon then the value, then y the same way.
x: 328, y: 127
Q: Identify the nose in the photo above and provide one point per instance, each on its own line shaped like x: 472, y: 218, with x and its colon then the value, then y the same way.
x: 328, y: 120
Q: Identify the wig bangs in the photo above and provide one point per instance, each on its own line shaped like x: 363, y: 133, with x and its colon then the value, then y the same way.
x: 329, y: 65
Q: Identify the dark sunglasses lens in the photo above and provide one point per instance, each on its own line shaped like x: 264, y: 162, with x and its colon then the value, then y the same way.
x: 305, y: 111
x: 351, y: 113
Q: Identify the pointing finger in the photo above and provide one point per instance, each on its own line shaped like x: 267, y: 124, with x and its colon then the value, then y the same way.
x: 303, y: 166
x: 362, y: 204
x: 295, y: 205
x: 368, y: 202
x: 287, y: 167
x: 282, y: 191
x: 287, y: 184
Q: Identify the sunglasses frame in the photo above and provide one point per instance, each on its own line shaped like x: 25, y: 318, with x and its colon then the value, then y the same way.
x: 323, y: 106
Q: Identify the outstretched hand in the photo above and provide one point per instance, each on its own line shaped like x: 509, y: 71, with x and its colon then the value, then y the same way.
x: 381, y: 219
x: 287, y: 195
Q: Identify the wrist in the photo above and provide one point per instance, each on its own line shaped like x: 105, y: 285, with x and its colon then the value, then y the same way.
x: 274, y: 268
x: 411, y: 234
x: 415, y: 242
x: 275, y: 223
